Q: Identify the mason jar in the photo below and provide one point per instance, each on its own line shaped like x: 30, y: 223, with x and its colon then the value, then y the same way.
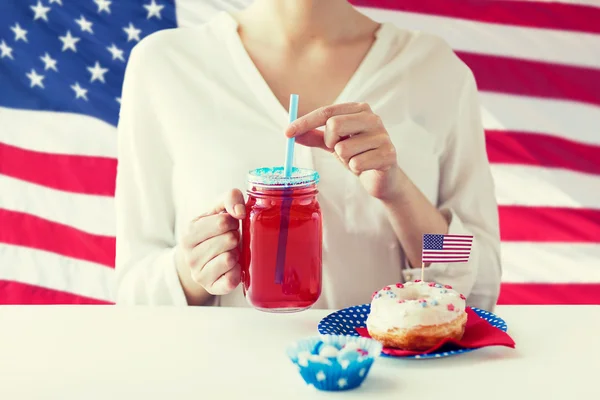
x: 282, y: 240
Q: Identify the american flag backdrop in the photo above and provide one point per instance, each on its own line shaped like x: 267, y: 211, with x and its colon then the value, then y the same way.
x: 537, y: 65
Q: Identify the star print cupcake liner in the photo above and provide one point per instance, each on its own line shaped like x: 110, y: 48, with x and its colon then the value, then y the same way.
x: 334, y: 363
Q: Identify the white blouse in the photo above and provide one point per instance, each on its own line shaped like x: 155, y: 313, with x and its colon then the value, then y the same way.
x: 196, y: 115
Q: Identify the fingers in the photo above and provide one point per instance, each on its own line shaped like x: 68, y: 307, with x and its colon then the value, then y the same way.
x: 313, y: 138
x: 214, y: 258
x: 211, y: 248
x: 320, y: 116
x: 380, y: 159
x: 215, y: 269
x: 228, y: 281
x: 351, y: 147
x: 344, y: 126
x: 232, y: 202
x: 223, y: 217
x: 216, y: 276
x: 204, y: 228
x: 340, y: 127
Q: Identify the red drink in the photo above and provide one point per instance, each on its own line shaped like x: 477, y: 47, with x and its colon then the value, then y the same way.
x: 282, y: 241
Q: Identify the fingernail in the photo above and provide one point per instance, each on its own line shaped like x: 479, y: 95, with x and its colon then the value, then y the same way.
x: 291, y: 130
x: 240, y: 210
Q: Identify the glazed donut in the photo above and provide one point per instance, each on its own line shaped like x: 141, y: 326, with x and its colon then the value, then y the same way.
x: 416, y: 315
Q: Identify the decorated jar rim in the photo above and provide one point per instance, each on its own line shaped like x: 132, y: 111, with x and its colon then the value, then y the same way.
x: 274, y: 177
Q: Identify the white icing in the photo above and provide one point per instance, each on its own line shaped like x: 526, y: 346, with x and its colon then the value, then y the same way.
x: 442, y: 305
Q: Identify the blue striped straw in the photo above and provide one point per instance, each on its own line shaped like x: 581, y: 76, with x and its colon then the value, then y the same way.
x: 289, y: 151
x: 287, y: 201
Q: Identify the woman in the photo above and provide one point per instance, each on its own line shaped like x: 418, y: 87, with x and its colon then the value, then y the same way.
x: 202, y: 106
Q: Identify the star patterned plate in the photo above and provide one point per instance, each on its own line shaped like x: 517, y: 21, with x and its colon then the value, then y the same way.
x: 344, y: 322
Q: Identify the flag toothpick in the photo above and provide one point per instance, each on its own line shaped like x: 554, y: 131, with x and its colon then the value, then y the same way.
x: 445, y: 249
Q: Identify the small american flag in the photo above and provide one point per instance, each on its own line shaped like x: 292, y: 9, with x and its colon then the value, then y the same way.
x: 446, y: 248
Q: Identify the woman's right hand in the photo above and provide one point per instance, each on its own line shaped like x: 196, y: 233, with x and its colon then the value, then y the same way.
x: 210, y: 250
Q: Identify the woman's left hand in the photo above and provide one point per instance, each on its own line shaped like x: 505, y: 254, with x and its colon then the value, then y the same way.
x: 359, y: 140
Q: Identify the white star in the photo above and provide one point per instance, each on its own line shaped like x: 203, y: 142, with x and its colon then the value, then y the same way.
x: 5, y: 51
x: 118, y: 100
x: 153, y: 9
x: 84, y: 24
x: 321, y: 376
x: 40, y: 11
x: 36, y: 80
x: 97, y: 72
x: 361, y: 373
x: 103, y: 5
x: 80, y: 93
x: 59, y: 2
x: 132, y: 33
x: 117, y: 53
x: 69, y: 42
x: 49, y: 62
x: 20, y: 33
x: 342, y: 383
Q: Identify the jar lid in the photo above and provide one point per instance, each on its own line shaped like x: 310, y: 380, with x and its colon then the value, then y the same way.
x: 273, y: 176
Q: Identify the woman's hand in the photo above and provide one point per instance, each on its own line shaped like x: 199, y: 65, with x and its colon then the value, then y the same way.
x: 209, y: 250
x: 359, y: 140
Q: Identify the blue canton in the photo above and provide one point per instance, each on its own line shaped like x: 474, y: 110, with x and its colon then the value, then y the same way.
x: 71, y: 56
x: 433, y: 242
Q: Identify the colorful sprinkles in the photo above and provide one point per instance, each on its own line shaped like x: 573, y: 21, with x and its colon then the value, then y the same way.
x: 427, y: 301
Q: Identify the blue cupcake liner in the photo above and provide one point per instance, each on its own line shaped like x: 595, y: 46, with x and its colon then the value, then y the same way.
x: 345, y: 371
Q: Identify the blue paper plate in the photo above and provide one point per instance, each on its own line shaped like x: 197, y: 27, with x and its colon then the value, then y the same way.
x: 344, y: 322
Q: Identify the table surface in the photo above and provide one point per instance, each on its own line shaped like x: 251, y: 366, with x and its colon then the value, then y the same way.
x: 108, y: 352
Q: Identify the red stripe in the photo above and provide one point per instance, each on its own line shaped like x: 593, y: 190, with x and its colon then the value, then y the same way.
x: 547, y: 224
x: 21, y: 293
x: 79, y: 174
x: 27, y: 230
x: 458, y: 241
x: 541, y: 150
x: 443, y: 254
x: 569, y: 17
x: 551, y: 293
x: 534, y: 78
